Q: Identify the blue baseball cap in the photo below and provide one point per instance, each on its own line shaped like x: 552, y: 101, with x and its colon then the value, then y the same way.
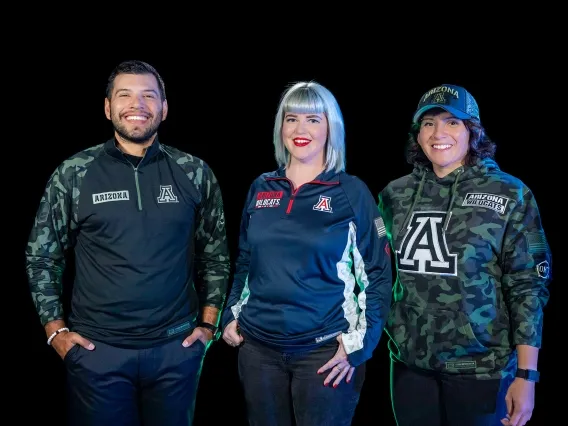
x: 454, y: 99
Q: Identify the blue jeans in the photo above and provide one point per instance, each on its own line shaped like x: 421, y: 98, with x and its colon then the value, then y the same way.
x: 284, y: 389
x: 133, y: 387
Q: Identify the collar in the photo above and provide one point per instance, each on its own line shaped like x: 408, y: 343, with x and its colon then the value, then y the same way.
x: 112, y: 149
x: 324, y: 176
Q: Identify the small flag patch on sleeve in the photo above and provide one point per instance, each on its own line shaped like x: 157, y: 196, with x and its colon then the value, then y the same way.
x: 537, y: 242
x: 380, y: 225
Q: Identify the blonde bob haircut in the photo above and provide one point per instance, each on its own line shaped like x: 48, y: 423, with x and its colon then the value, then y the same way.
x: 312, y: 98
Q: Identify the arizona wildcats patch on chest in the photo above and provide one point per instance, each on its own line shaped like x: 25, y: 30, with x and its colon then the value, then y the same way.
x: 268, y: 199
x: 489, y: 201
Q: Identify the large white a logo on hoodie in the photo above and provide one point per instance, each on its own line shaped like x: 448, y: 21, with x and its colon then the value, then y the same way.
x: 424, y: 249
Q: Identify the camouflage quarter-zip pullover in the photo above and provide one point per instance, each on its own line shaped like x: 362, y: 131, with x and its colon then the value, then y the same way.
x: 473, y: 267
x: 148, y: 238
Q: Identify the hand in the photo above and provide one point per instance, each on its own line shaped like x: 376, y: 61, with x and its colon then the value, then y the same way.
x: 231, y: 334
x: 520, y: 402
x: 199, y: 333
x: 340, y: 367
x: 65, y: 340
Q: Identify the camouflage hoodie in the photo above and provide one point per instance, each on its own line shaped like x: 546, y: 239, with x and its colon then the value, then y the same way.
x: 473, y: 267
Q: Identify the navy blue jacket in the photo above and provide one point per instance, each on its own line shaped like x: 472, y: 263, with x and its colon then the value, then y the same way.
x: 313, y: 263
x: 149, y: 244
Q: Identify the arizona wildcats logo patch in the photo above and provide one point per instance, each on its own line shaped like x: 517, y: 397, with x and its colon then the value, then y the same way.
x: 489, y: 201
x: 323, y: 205
x: 268, y: 199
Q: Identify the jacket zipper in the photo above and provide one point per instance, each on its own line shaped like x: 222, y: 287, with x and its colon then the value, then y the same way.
x: 291, y: 201
x: 138, y: 193
x: 138, y: 188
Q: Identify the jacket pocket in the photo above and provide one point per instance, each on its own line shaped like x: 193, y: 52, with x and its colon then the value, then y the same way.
x: 441, y: 340
x: 70, y: 353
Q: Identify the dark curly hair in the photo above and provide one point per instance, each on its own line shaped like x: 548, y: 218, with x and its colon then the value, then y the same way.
x: 480, y: 146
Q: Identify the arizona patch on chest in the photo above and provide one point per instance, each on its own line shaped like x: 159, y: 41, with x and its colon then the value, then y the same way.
x: 104, y: 197
x: 489, y: 201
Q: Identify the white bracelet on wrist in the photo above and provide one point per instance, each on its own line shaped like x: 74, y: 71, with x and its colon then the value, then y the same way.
x: 55, y: 333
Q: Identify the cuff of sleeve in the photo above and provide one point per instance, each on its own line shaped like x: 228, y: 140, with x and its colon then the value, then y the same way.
x: 226, y: 318
x: 353, y: 345
x: 352, y: 341
x: 519, y: 339
x: 356, y: 358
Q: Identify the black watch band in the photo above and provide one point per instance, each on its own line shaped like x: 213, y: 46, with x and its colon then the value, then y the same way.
x: 213, y: 328
x: 530, y: 375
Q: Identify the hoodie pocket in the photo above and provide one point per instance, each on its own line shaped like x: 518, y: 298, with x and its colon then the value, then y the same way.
x: 440, y: 340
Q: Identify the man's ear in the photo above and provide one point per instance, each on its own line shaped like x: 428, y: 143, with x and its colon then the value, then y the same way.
x: 107, y: 108
x: 164, y: 109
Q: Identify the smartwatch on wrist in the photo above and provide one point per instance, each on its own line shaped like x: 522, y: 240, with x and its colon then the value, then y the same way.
x: 530, y: 375
x: 212, y: 328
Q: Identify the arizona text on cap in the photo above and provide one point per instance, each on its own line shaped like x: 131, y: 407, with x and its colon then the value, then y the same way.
x: 454, y: 99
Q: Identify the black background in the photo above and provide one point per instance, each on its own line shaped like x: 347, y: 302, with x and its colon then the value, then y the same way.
x: 222, y: 100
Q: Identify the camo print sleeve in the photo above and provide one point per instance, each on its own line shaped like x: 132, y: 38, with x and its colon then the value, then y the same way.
x: 211, y: 248
x: 526, y: 271
x: 239, y: 288
x: 50, y: 238
x: 373, y: 274
x: 53, y: 233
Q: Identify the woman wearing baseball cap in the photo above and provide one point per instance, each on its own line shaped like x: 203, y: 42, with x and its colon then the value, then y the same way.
x: 473, y: 267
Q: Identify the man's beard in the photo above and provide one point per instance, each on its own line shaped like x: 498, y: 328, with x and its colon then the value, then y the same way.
x: 138, y: 138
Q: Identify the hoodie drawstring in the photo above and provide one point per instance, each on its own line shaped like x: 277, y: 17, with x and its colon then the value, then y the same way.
x: 415, y: 200
x: 454, y: 191
x: 418, y: 194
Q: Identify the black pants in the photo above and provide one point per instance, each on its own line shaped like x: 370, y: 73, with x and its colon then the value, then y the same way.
x: 284, y: 389
x: 110, y: 386
x: 427, y: 399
